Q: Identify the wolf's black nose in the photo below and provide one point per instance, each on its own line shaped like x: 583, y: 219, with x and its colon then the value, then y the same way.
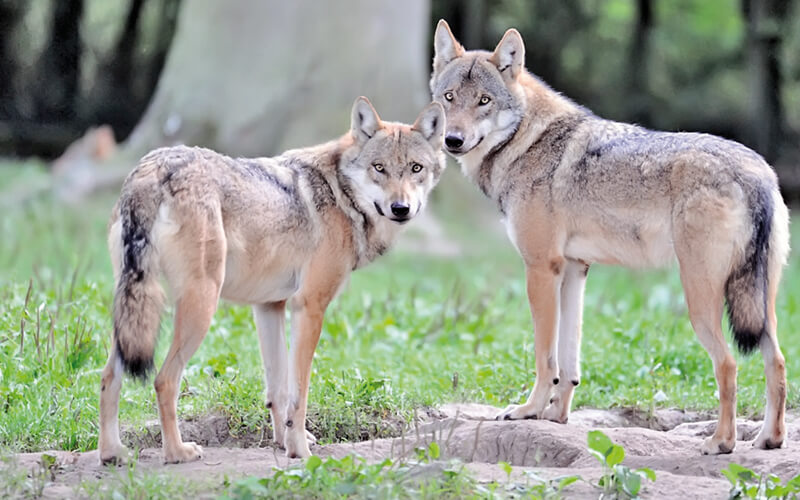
x: 400, y: 209
x: 453, y: 141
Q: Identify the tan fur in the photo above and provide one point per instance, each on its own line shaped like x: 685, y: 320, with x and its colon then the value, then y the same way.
x: 576, y: 189
x: 267, y: 232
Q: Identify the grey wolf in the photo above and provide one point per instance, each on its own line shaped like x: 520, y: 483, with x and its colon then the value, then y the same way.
x: 269, y: 232
x: 576, y: 189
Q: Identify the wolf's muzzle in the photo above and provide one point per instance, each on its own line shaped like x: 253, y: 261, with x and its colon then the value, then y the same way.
x: 400, y: 209
x: 454, y: 141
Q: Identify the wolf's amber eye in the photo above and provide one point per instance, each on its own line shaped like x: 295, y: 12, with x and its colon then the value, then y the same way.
x: 378, y: 167
x: 416, y: 168
x: 448, y: 96
x: 485, y: 100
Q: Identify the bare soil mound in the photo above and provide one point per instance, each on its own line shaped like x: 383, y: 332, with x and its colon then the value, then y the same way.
x: 668, y: 443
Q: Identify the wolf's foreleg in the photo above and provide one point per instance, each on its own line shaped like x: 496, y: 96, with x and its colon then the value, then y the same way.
x: 270, y: 323
x: 569, y: 341
x: 322, y: 280
x: 306, y: 329
x: 544, y: 296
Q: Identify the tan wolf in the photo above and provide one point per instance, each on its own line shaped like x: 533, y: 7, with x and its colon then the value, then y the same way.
x: 269, y: 232
x: 576, y: 189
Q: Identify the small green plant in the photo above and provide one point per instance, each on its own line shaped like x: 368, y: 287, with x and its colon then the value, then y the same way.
x: 539, y: 488
x: 19, y: 482
x: 352, y: 477
x: 130, y: 482
x: 746, y: 483
x: 618, y: 481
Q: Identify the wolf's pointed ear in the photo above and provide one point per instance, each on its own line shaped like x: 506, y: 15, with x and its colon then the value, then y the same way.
x: 430, y: 123
x: 445, y: 46
x: 365, y: 120
x: 509, y: 55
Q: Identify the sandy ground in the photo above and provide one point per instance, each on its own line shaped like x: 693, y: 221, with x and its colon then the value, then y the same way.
x: 667, y: 443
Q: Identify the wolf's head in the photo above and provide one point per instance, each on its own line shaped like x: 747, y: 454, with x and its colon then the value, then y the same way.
x: 394, y: 166
x: 479, y: 90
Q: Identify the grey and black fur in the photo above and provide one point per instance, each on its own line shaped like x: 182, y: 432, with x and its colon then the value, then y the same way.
x: 576, y: 189
x: 276, y: 233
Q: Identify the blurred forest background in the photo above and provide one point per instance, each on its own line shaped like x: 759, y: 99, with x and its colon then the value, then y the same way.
x: 255, y: 77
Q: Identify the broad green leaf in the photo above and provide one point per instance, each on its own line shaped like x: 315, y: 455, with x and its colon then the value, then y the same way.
x: 615, y: 455
x: 599, y: 442
x: 566, y: 481
x: 732, y: 476
x: 313, y: 462
x: 631, y: 483
x: 649, y: 473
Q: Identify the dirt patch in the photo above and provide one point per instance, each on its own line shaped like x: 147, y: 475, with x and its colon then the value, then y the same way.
x: 216, y: 430
x: 669, y: 443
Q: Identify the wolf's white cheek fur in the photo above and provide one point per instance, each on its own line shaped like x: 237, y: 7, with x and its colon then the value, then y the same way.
x: 483, y: 129
x: 505, y: 119
x: 418, y: 200
x: 366, y: 191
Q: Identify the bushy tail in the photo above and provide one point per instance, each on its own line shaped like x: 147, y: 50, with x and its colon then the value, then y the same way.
x: 747, y: 286
x: 139, y: 297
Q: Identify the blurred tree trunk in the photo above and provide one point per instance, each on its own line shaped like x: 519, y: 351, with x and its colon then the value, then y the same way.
x: 764, y: 20
x: 10, y: 15
x: 168, y: 18
x: 253, y: 77
x: 474, y: 25
x: 638, y: 89
x: 44, y: 109
x: 57, y: 86
x: 116, y: 101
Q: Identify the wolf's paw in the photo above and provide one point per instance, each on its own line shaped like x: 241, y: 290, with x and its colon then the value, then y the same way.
x: 312, y: 439
x: 280, y: 438
x: 555, y: 413
x: 116, y: 455
x: 185, y: 452
x: 518, y: 412
x: 278, y: 435
x: 768, y: 440
x: 718, y: 446
x: 298, y: 441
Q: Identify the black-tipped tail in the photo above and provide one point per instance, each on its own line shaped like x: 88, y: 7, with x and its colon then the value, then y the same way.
x: 746, y: 288
x: 139, y: 298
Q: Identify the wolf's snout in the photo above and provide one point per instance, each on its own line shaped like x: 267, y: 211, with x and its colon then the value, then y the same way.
x: 454, y: 140
x: 400, y: 209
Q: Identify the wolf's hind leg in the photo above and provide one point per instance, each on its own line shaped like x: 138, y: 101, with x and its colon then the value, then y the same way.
x: 544, y: 285
x: 193, y: 314
x: 271, y: 323
x: 109, y: 445
x: 201, y: 253
x: 704, y: 298
x: 569, y: 341
x: 773, y: 432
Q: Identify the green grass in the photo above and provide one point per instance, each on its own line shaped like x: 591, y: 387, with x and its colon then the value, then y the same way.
x: 410, y: 331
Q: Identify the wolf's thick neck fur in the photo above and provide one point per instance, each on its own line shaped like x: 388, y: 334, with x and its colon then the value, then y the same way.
x: 541, y: 106
x: 372, y: 234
